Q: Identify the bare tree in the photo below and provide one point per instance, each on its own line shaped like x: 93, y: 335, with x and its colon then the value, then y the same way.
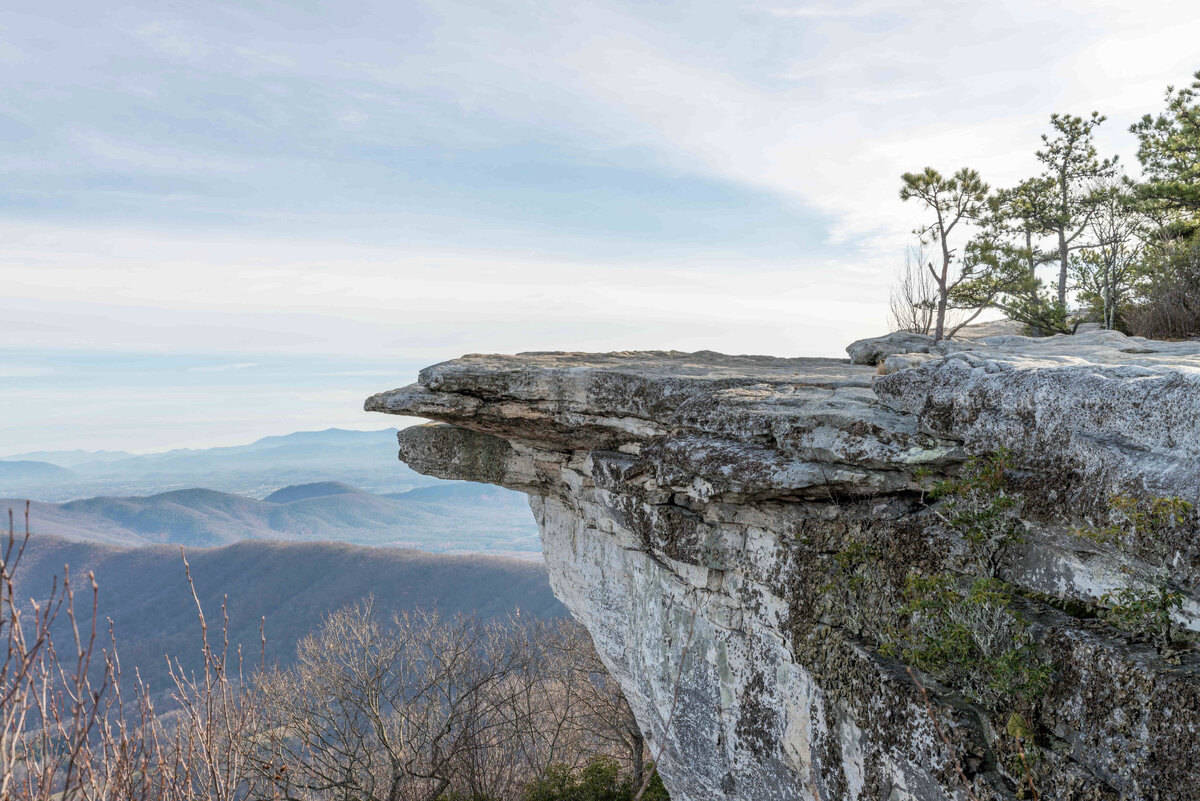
x: 51, y: 709
x: 914, y: 296
x: 69, y: 730
x: 414, y: 709
x: 386, y: 712
x: 208, y: 750
x: 604, y: 718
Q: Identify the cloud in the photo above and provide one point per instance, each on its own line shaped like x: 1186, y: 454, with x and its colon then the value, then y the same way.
x: 221, y: 368
x: 419, y: 179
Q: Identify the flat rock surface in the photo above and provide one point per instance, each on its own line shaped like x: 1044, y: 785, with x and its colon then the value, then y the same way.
x: 1091, y: 347
x: 1125, y: 410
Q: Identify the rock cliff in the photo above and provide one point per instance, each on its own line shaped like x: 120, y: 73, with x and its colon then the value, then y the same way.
x: 798, y: 572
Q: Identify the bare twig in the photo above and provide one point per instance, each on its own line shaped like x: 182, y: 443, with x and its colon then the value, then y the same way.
x: 1025, y: 765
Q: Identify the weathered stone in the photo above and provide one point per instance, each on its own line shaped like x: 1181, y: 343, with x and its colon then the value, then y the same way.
x: 692, y: 507
x: 874, y: 350
x: 904, y: 361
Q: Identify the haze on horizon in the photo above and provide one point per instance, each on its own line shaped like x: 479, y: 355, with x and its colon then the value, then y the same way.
x: 234, y: 220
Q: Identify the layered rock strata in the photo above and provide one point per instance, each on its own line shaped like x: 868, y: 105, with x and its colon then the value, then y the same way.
x: 696, y: 511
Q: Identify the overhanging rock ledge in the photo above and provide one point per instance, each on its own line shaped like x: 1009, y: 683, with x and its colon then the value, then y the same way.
x: 698, y: 503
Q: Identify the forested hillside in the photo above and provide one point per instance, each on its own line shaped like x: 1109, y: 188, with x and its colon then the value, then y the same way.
x: 293, y: 585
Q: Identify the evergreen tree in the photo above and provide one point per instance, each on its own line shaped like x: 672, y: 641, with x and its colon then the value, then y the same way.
x: 1072, y: 170
x: 1019, y: 217
x: 1169, y: 150
x: 958, y: 200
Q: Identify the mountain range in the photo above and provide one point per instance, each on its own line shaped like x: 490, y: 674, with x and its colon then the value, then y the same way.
x: 365, y: 459
x: 447, y: 517
x: 278, y: 527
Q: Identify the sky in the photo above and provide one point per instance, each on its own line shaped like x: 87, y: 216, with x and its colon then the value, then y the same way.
x: 227, y: 220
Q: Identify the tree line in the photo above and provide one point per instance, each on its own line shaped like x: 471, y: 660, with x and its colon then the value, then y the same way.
x: 1081, y: 241
x: 414, y: 707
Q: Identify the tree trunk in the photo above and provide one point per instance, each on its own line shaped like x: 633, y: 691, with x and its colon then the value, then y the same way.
x: 1107, y: 297
x: 1063, y: 259
x: 943, y: 293
x: 1035, y: 300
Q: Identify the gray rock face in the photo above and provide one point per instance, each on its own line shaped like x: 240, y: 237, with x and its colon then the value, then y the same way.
x: 876, y: 349
x: 694, y: 510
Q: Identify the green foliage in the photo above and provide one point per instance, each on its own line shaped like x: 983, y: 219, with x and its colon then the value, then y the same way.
x: 972, y: 637
x: 1077, y: 175
x: 852, y: 557
x: 1143, y: 610
x: 991, y: 269
x: 1149, y: 527
x: 975, y: 641
x: 950, y: 202
x: 978, y: 506
x: 953, y: 199
x: 1133, y: 520
x: 1169, y: 150
x: 1033, y: 302
x: 1018, y: 219
x: 1072, y: 165
x: 855, y: 584
x: 1048, y: 218
x: 599, y: 780
x: 1018, y: 728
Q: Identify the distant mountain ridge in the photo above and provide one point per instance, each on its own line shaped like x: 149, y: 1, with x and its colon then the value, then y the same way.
x: 32, y: 471
x: 292, y: 585
x: 320, y: 489
x: 68, y: 459
x: 450, y: 517
x: 364, y: 459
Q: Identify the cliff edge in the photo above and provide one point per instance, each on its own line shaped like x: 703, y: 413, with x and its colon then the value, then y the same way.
x: 971, y: 571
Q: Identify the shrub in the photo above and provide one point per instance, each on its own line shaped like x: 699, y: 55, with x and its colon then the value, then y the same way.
x: 978, y: 506
x: 599, y: 780
x: 1150, y: 527
x: 1143, y: 610
x: 974, y: 641
x: 1143, y: 523
x: 1169, y: 304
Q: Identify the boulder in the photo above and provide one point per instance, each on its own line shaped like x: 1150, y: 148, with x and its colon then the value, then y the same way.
x: 874, y: 350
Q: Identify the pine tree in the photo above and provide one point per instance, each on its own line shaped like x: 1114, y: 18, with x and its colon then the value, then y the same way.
x: 1019, y: 218
x: 957, y: 200
x: 1073, y: 168
x: 1169, y: 150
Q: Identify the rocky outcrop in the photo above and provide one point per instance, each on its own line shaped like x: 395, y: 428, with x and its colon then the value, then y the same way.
x: 738, y: 533
x: 876, y: 349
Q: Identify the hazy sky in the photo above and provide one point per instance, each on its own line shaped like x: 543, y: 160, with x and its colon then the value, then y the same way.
x: 223, y: 220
